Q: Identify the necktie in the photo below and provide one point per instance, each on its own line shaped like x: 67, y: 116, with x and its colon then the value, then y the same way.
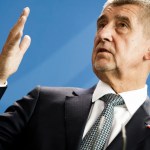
x: 95, y: 139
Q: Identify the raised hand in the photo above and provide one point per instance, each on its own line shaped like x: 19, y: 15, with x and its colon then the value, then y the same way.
x: 14, y: 48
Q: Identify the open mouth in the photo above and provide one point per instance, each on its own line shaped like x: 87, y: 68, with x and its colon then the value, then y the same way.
x: 103, y: 50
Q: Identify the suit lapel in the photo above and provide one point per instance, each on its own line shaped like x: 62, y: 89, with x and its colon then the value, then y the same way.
x: 136, y: 130
x: 76, y: 112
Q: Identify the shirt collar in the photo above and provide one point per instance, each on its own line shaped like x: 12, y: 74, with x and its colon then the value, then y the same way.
x: 133, y: 99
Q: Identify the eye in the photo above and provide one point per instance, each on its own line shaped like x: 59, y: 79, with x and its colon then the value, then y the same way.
x: 101, y: 25
x: 122, y: 25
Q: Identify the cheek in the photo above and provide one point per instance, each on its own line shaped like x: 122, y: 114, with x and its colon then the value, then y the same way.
x: 129, y: 55
x: 120, y: 52
x: 122, y: 45
x: 96, y: 41
x: 93, y: 56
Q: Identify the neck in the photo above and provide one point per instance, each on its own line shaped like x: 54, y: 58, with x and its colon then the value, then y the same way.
x: 123, y: 83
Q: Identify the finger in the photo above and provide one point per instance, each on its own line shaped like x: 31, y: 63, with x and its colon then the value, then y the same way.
x: 19, y: 26
x: 8, y: 47
x: 17, y: 38
x: 25, y: 43
x: 24, y: 16
x: 25, y: 12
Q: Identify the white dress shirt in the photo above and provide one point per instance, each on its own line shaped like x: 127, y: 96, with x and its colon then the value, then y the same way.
x: 122, y: 114
x: 4, y: 85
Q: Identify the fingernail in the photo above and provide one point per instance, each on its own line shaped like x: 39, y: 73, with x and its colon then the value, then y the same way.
x: 26, y: 8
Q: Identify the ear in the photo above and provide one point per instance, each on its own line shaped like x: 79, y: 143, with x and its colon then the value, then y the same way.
x: 147, y: 55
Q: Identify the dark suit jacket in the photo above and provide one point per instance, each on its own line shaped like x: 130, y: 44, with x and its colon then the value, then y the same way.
x: 54, y: 119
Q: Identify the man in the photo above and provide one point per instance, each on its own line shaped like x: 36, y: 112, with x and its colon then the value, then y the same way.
x: 61, y: 118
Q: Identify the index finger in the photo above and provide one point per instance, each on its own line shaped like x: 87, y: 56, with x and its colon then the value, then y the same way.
x: 19, y: 26
x: 25, y: 12
x: 22, y: 19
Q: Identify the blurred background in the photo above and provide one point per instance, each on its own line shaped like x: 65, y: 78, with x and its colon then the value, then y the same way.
x: 62, y: 33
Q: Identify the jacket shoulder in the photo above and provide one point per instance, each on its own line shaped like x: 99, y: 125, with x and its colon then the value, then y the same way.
x: 67, y: 91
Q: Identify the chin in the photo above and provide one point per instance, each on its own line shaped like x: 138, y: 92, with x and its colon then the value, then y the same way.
x: 103, y: 67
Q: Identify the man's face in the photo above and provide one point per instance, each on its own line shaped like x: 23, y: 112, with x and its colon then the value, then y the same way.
x: 120, y: 43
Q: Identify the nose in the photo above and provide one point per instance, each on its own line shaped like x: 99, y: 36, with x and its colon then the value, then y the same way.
x: 106, y: 33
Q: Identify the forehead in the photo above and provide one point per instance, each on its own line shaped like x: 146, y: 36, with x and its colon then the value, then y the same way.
x: 127, y: 10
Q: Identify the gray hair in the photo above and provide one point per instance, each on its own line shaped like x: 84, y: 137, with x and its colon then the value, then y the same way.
x: 144, y: 13
x: 121, y: 2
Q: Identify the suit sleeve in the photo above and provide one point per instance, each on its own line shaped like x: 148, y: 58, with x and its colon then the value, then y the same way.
x: 15, y: 118
x: 2, y: 91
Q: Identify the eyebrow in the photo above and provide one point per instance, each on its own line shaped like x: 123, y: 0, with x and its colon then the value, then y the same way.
x: 122, y: 18
x: 118, y: 17
x: 103, y: 17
